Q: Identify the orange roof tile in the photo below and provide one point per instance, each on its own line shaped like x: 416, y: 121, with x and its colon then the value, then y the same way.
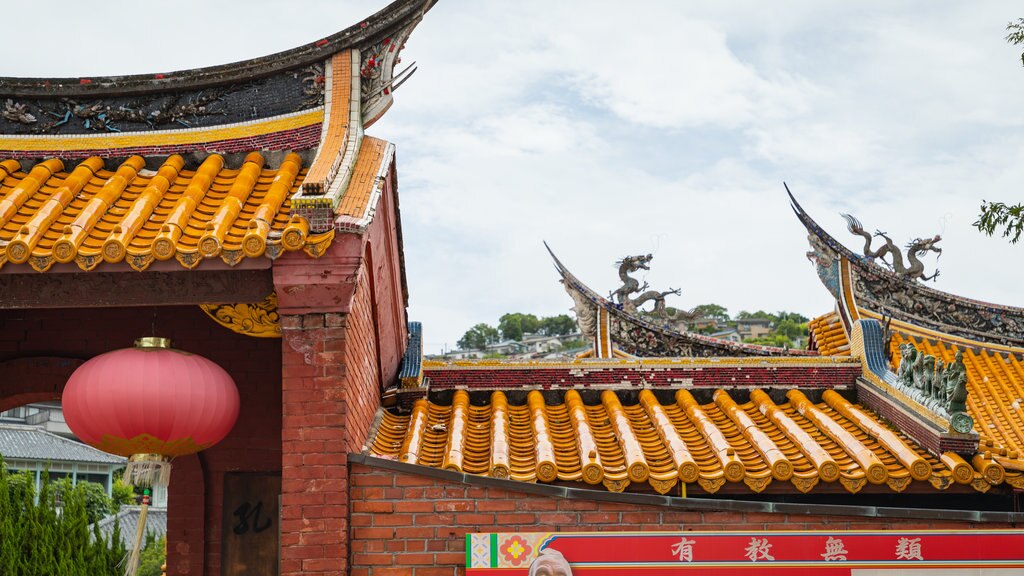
x: 95, y: 211
x: 660, y: 441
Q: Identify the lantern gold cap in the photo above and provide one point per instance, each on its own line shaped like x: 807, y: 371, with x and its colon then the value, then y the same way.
x: 153, y: 342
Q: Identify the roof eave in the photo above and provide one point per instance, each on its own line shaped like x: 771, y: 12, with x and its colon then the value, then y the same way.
x: 390, y: 19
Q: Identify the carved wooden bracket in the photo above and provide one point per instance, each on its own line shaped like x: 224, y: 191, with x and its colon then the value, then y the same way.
x: 260, y: 320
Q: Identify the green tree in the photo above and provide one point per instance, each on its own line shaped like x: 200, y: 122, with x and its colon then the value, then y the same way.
x: 712, y: 312
x: 514, y: 324
x: 121, y: 495
x: 97, y: 504
x: 35, y: 540
x: 153, y: 556
x: 759, y: 315
x: 777, y: 340
x: 557, y: 325
x: 478, y: 337
x: 790, y: 329
x: 997, y: 216
x: 792, y: 317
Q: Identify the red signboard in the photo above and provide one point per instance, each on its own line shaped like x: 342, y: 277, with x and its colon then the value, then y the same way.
x: 975, y: 552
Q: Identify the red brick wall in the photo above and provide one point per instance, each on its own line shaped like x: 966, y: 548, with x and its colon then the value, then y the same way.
x: 314, y: 492
x: 404, y: 524
x: 362, y: 366
x: 331, y: 391
x: 384, y: 259
x: 196, y: 483
x: 334, y: 366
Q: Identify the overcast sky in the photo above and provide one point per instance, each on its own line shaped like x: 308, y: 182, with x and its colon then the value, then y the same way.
x: 615, y: 128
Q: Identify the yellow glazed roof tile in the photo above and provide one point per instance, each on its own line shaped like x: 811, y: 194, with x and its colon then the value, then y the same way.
x: 663, y: 440
x: 828, y: 335
x: 95, y: 211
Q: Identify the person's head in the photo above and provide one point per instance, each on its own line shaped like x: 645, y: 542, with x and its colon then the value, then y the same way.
x: 550, y: 562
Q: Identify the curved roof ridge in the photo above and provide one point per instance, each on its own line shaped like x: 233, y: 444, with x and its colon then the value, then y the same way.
x: 392, y: 18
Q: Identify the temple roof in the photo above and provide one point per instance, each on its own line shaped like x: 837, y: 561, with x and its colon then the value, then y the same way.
x: 618, y: 330
x: 243, y: 160
x: 105, y: 210
x: 630, y: 434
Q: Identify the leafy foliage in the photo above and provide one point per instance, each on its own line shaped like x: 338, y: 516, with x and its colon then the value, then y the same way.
x: 478, y: 337
x: 121, y: 495
x: 997, y: 216
x: 1016, y: 35
x: 557, y: 325
x: 513, y: 325
x: 97, y: 503
x: 712, y: 312
x: 153, y: 556
x: 777, y: 340
x: 35, y: 539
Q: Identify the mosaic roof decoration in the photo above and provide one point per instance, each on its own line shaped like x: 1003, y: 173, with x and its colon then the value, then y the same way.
x: 938, y: 325
x: 862, y: 287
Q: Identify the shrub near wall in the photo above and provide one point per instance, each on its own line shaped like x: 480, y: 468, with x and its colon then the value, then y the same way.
x: 37, y: 541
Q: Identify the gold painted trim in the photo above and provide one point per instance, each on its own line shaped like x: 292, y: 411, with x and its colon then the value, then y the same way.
x: 164, y: 137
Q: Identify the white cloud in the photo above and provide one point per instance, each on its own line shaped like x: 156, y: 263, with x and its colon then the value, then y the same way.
x: 611, y: 128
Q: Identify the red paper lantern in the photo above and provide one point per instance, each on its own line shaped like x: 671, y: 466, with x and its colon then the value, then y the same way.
x: 150, y: 399
x: 150, y: 403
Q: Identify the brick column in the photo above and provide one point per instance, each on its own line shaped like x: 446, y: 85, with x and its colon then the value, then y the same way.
x: 314, y: 474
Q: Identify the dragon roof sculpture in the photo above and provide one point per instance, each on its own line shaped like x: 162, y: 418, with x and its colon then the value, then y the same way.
x: 617, y: 328
x: 865, y: 289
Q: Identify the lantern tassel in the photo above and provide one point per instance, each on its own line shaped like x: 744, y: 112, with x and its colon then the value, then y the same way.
x: 148, y: 470
x: 145, y: 470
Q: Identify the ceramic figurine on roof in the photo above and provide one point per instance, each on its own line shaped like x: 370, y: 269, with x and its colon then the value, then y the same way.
x: 938, y: 386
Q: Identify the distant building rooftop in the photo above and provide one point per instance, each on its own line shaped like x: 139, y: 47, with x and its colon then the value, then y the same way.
x: 128, y: 520
x: 31, y: 443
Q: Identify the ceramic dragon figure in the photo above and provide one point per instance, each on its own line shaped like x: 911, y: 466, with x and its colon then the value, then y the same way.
x: 630, y: 286
x: 939, y: 386
x: 915, y: 249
